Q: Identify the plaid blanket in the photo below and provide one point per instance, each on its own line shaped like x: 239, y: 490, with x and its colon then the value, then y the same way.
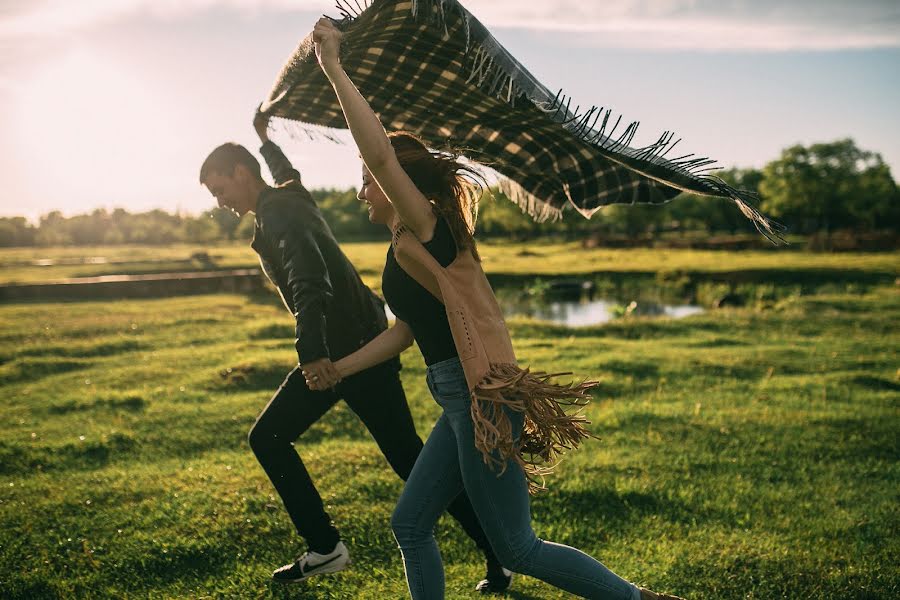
x: 430, y: 67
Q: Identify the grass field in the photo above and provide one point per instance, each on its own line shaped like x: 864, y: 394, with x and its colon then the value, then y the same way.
x: 745, y: 453
x: 522, y: 260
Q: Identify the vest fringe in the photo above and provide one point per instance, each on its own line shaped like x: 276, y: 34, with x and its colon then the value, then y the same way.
x: 548, y: 430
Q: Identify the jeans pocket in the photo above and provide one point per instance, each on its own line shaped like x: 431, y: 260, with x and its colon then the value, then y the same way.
x: 450, y: 387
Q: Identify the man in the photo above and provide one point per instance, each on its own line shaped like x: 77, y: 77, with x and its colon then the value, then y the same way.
x: 335, y: 314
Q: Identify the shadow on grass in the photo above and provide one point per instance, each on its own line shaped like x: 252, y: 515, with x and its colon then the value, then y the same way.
x: 205, y: 434
x: 876, y: 384
x: 274, y: 331
x: 268, y: 297
x: 745, y: 572
x: 33, y: 369
x: 76, y: 350
x: 733, y: 371
x: 179, y: 563
x: 114, y: 403
x: 248, y: 377
x: 759, y: 450
x: 615, y: 510
x: 302, y: 591
x: 636, y: 369
x: 856, y: 439
x: 18, y: 459
x: 717, y: 342
x: 27, y: 586
x: 620, y: 377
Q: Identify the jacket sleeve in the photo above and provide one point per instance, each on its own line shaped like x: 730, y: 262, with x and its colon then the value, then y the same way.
x: 305, y: 273
x: 281, y: 168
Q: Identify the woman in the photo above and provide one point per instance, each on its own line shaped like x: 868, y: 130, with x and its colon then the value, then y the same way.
x: 477, y: 446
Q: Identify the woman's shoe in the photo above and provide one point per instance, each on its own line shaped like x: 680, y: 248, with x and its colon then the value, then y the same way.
x: 495, y: 582
x: 648, y: 595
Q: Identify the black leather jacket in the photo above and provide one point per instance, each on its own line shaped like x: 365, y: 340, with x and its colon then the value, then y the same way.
x: 336, y: 312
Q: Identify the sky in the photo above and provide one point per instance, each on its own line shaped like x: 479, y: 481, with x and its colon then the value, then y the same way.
x: 115, y: 103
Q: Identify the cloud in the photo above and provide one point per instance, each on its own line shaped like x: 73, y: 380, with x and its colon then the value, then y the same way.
x: 27, y: 18
x: 705, y: 24
x: 650, y: 24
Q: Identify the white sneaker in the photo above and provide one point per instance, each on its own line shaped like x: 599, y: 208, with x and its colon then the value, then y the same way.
x: 313, y: 563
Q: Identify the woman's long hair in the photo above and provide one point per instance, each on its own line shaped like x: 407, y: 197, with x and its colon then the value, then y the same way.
x: 453, y: 188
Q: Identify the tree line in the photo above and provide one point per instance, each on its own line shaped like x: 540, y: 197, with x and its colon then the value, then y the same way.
x: 812, y: 189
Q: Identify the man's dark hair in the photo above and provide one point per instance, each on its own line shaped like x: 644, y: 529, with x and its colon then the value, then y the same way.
x: 225, y: 158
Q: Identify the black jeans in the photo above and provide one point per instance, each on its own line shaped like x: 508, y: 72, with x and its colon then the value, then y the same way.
x: 376, y: 396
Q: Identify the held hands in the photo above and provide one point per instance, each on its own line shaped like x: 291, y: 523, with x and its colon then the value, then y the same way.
x: 327, y: 40
x: 321, y: 374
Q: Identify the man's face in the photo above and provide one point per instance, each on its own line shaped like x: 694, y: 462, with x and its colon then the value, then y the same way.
x: 230, y: 191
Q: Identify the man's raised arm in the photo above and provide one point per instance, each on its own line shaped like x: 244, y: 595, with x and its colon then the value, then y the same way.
x: 281, y: 168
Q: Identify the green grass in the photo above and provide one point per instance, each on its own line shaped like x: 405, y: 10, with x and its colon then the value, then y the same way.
x: 515, y: 260
x: 745, y: 453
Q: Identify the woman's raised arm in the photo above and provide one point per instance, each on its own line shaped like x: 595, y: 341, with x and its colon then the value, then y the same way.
x: 374, y: 146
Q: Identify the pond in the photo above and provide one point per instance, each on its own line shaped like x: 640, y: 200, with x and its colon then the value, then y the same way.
x: 594, y: 312
x: 579, y: 313
x: 582, y: 309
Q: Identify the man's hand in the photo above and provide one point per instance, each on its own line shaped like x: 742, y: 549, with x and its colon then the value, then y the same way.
x: 261, y: 125
x: 320, y: 374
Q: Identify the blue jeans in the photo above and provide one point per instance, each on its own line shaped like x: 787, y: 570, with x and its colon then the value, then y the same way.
x: 449, y: 463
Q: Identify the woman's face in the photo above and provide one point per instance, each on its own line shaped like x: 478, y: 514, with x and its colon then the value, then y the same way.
x: 380, y: 208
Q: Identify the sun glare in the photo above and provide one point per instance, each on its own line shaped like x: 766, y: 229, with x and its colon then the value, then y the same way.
x: 83, y: 124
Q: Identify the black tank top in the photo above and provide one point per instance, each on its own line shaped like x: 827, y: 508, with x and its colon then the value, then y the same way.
x: 415, y: 305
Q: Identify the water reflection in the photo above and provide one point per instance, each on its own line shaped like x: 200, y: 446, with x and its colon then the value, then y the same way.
x: 574, y: 313
x: 580, y: 313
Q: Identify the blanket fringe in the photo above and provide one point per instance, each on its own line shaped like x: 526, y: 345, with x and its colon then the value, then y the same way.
x: 745, y: 200
x: 308, y: 132
x: 487, y: 72
x: 348, y: 11
x: 539, y: 210
x: 549, y: 430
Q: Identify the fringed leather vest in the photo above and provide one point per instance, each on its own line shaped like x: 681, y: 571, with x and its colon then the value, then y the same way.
x: 492, y: 373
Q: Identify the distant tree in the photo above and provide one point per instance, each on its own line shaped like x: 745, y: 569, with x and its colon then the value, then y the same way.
x: 876, y: 203
x: 122, y: 222
x: 245, y: 228
x: 89, y: 229
x: 346, y: 215
x: 226, y: 221
x: 830, y: 186
x: 16, y: 231
x: 155, y: 227
x: 633, y: 220
x: 745, y: 179
x: 114, y: 235
x: 200, y: 230
x: 500, y: 216
x: 821, y: 187
x: 52, y: 230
